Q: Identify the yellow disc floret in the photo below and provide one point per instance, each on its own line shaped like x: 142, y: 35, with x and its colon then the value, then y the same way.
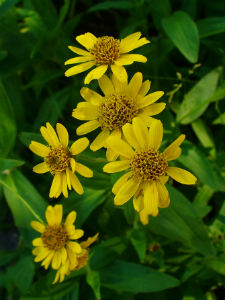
x: 58, y: 159
x: 54, y: 237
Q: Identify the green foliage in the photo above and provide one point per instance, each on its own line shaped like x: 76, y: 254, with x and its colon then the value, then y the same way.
x: 180, y: 253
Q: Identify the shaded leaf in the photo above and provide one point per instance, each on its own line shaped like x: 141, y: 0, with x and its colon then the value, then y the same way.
x: 211, y: 26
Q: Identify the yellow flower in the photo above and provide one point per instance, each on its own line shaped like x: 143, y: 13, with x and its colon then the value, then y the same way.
x: 119, y: 105
x: 82, y: 260
x: 105, y: 51
x: 147, y: 167
x: 56, y: 245
x: 59, y: 161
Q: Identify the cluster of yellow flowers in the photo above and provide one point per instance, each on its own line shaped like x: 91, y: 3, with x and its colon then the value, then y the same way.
x: 124, y: 113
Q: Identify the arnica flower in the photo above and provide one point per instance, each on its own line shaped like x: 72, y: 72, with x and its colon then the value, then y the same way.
x: 119, y: 105
x: 56, y: 246
x: 147, y: 167
x: 58, y: 160
x: 103, y: 52
x: 82, y: 260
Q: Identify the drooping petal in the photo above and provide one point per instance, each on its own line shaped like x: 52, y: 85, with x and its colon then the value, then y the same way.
x: 149, y: 99
x: 39, y: 149
x: 89, y: 241
x: 120, y: 182
x: 96, y: 73
x: 56, y: 185
x: 72, y: 164
x: 46, y: 262
x: 151, y: 198
x: 62, y: 134
x: 43, y: 253
x: 126, y: 191
x: 135, y: 84
x: 64, y: 185
x: 138, y: 202
x: 88, y: 127
x: 79, y: 68
x: 106, y: 85
x: 140, y: 132
x: 116, y: 166
x: 76, y: 184
x: 155, y: 135
x: 100, y: 140
x: 79, y: 146
x: 120, y: 146
x: 120, y: 72
x: 41, y: 168
x: 181, y: 175
x: 144, y: 217
x: 57, y: 259
x: 83, y: 170
x: 37, y: 226
x: 169, y: 151
x: 68, y: 178
x: 164, y: 197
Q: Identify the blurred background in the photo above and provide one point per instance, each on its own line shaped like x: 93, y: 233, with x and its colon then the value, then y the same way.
x: 180, y: 254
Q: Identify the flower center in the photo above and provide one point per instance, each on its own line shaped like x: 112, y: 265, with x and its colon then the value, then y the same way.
x: 116, y: 111
x: 58, y: 159
x: 106, y: 50
x: 54, y: 237
x: 148, y: 164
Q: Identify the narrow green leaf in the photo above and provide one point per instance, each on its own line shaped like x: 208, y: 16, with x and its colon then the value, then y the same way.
x: 211, y: 26
x: 130, y: 277
x: 203, y: 133
x: 7, y: 164
x: 217, y: 265
x: 198, y: 98
x: 139, y: 241
x: 111, y: 5
x: 183, y: 32
x: 93, y: 279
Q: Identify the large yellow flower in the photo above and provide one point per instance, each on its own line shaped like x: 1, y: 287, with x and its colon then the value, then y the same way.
x: 56, y: 246
x: 81, y: 257
x: 147, y: 167
x: 103, y: 52
x: 59, y: 161
x: 119, y: 105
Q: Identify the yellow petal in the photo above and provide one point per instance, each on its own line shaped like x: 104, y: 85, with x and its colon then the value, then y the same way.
x: 129, y: 135
x: 52, y: 133
x: 62, y: 134
x: 41, y: 168
x: 57, y: 260
x: 78, y: 234
x: 39, y: 149
x: 155, y: 135
x: 146, y: 119
x: 144, y: 88
x: 120, y: 146
x: 79, y: 51
x: 144, y: 217
x: 120, y: 182
x: 87, y: 127
x: 99, y: 141
x: 37, y: 242
x: 95, y: 73
x: 47, y: 136
x: 135, y: 84
x: 89, y: 241
x: 75, y: 247
x: 72, y: 258
x: 73, y: 164
x: 111, y: 155
x: 91, y: 96
x: 77, y: 60
x: 116, y: 166
x: 63, y: 255
x: 86, y: 113
x: 141, y: 132
x: 154, y: 109
x: 58, y: 209
x: 128, y: 59
x: 149, y: 99
x: 79, y: 68
x: 181, y: 175
x: 56, y: 185
x: 151, y: 198
x: 64, y: 185
x: 50, y: 216
x: 87, y: 40
x: 44, y: 252
x: 132, y: 44
x: 68, y: 178
x: 164, y: 198
x: 37, y: 226
x: 76, y: 184
x: 118, y: 85
x: 126, y: 192
x: 83, y: 170
x: 106, y: 85
x: 120, y: 72
x: 172, y: 151
x: 46, y: 262
x: 79, y: 146
x: 138, y: 203
x: 70, y: 219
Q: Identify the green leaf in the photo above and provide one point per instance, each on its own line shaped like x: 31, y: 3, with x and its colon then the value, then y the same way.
x: 203, y: 133
x: 7, y: 123
x: 23, y: 199
x: 130, y: 277
x: 211, y: 26
x: 199, y: 164
x: 22, y: 273
x: 220, y: 120
x: 139, y: 241
x: 111, y: 5
x: 183, y: 32
x: 5, y: 5
x: 93, y: 280
x: 180, y: 222
x: 217, y: 265
x: 198, y: 98
x: 7, y: 164
x: 6, y: 257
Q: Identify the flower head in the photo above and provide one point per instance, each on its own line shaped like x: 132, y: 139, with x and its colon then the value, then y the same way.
x: 147, y: 168
x: 82, y: 259
x: 59, y: 161
x: 119, y: 105
x: 103, y: 52
x: 56, y: 246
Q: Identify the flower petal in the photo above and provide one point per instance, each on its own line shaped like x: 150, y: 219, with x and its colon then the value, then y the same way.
x: 111, y: 155
x: 79, y: 146
x: 79, y: 68
x: 120, y: 72
x: 62, y: 134
x: 164, y: 197
x: 126, y: 191
x: 75, y: 247
x: 144, y: 88
x: 100, y: 140
x: 86, y: 113
x: 68, y: 178
x: 64, y: 185
x: 47, y: 136
x: 70, y: 219
x: 91, y: 96
x: 77, y: 60
x: 154, y: 109
x: 89, y: 241
x: 80, y: 51
x: 135, y: 84
x: 56, y: 185
x: 41, y: 168
x: 129, y: 135
x: 58, y: 209
x: 116, y: 166
x: 87, y: 127
x: 149, y: 99
x: 120, y: 146
x: 76, y: 184
x: 37, y: 226
x: 78, y: 234
x: 118, y: 85
x: 52, y: 134
x: 39, y: 149
x: 138, y: 202
x: 120, y: 182
x: 106, y: 85
x: 151, y: 198
x: 57, y: 260
x: 37, y: 242
x: 95, y: 73
x: 140, y: 131
x: 155, y: 135
x: 128, y: 59
x: 172, y: 151
x: 87, y: 40
x: 50, y: 216
x: 83, y: 170
x: 181, y: 175
x: 72, y: 164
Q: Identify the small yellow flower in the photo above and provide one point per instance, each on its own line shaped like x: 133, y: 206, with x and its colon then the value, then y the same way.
x: 103, y: 52
x: 82, y: 260
x: 58, y: 160
x: 119, y: 105
x: 56, y: 246
x: 147, y: 167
